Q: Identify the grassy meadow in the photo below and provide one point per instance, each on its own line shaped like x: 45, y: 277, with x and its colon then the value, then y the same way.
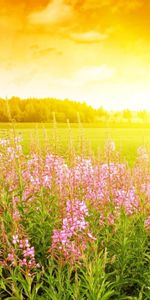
x: 93, y: 136
x: 74, y: 212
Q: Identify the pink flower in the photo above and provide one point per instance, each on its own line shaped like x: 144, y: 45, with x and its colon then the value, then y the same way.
x: 111, y: 219
x: 28, y: 252
x: 10, y: 257
x: 15, y: 239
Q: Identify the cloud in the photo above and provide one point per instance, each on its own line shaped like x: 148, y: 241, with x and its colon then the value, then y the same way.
x: 37, y: 53
x: 88, y: 37
x: 95, y: 4
x: 34, y: 47
x: 90, y: 74
x: 112, y: 5
x: 128, y: 6
x: 134, y: 5
x: 57, y: 11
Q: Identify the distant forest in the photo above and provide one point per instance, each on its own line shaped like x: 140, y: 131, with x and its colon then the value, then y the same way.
x: 45, y: 110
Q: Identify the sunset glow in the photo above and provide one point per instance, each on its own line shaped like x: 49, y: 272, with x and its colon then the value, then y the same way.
x: 96, y: 51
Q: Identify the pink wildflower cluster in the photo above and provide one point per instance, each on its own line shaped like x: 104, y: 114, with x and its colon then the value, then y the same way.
x: 100, y: 184
x: 10, y: 154
x: 127, y: 200
x: 50, y: 173
x: 145, y: 188
x: 143, y: 156
x: 107, y: 186
x: 112, y: 186
x: 15, y: 212
x: 141, y: 178
x: 108, y: 219
x: 21, y: 254
x: 71, y: 240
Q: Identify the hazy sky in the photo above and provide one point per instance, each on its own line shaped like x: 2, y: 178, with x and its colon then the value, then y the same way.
x: 96, y: 51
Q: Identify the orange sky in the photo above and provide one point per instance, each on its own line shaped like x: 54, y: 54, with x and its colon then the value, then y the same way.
x: 92, y: 50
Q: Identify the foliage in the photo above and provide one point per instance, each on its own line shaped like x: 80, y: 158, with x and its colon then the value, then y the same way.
x: 43, y: 110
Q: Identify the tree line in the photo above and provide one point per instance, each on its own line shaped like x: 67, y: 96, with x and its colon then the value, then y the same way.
x: 45, y: 110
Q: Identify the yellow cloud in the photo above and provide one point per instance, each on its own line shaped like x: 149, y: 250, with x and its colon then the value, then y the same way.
x: 95, y: 73
x: 37, y: 53
x: 88, y: 37
x: 127, y: 6
x: 115, y: 6
x: 95, y: 4
x: 57, y: 11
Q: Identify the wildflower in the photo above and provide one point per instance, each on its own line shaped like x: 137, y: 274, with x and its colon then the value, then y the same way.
x: 71, y: 240
x: 10, y: 257
x: 111, y: 219
x: 4, y: 142
x: 28, y: 252
x: 15, y: 239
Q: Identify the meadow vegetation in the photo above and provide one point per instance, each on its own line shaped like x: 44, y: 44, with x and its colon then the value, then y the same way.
x: 73, y: 225
x: 92, y: 135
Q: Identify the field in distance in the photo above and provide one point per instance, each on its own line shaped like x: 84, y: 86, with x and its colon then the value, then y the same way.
x: 89, y: 137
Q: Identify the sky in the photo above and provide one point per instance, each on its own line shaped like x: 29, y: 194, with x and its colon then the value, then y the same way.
x: 97, y: 51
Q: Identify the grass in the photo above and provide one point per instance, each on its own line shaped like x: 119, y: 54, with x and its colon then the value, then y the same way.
x: 127, y: 140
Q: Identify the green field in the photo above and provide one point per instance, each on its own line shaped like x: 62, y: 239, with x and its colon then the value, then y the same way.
x: 87, y: 136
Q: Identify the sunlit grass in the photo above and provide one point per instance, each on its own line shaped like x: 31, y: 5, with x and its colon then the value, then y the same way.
x: 94, y: 136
